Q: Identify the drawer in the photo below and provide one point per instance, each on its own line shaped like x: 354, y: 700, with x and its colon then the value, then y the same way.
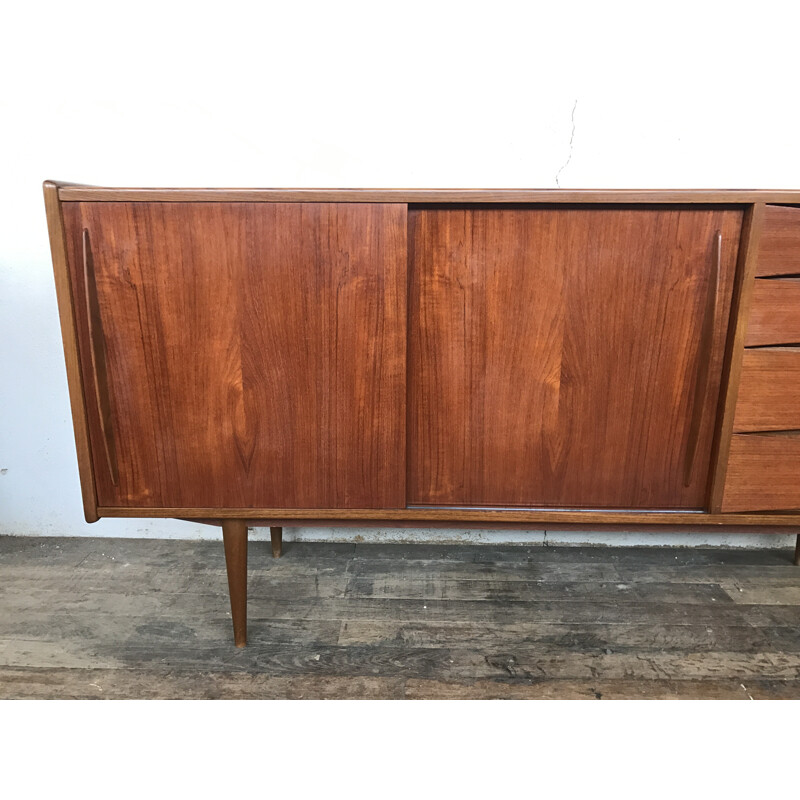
x: 769, y: 391
x: 763, y: 473
x: 779, y: 249
x: 775, y: 313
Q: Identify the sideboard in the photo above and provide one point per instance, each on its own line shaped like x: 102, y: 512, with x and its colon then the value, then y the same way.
x: 493, y: 358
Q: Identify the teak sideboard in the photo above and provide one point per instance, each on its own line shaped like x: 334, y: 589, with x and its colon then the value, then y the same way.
x: 490, y: 358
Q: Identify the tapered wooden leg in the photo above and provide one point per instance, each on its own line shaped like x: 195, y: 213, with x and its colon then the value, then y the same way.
x: 234, y: 537
x: 797, y: 551
x: 276, y: 534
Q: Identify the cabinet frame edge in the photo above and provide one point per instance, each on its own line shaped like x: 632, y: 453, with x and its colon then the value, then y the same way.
x: 737, y: 330
x: 80, y: 192
x: 449, y: 516
x: 69, y: 337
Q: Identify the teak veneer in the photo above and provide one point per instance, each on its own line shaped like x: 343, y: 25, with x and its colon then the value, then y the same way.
x: 621, y: 359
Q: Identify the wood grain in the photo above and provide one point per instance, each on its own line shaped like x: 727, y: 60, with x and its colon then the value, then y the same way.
x: 780, y: 242
x: 473, y: 517
x: 708, y: 332
x: 74, y: 192
x: 66, y: 312
x: 97, y: 353
x: 553, y: 354
x: 276, y: 538
x: 234, y: 537
x: 769, y: 393
x: 775, y: 315
x: 763, y: 472
x: 732, y: 367
x: 256, y: 352
x: 484, y: 621
x: 181, y: 684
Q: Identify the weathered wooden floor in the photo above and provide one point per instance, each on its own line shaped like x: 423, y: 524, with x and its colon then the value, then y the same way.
x: 117, y: 618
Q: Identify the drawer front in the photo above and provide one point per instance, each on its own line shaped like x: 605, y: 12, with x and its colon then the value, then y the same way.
x: 763, y: 473
x: 775, y: 313
x: 769, y: 391
x: 779, y: 252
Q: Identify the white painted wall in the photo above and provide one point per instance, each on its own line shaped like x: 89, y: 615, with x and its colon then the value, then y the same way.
x: 343, y: 94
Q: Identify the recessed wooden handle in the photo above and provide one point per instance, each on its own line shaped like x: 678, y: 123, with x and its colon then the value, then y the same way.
x: 704, y: 360
x: 97, y: 348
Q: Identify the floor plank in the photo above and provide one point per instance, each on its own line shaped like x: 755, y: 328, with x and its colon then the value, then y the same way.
x: 124, y: 618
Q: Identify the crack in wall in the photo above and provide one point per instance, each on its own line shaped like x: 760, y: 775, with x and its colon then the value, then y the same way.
x: 571, y: 142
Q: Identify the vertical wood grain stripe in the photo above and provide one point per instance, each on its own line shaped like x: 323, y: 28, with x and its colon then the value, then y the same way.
x: 704, y: 367
x: 97, y: 348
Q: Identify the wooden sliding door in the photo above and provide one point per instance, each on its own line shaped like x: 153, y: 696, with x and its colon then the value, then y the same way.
x: 566, y: 357
x: 242, y: 355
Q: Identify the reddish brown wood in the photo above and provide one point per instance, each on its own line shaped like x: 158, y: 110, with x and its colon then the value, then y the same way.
x: 274, y: 197
x: 66, y: 313
x: 554, y: 353
x: 763, y: 473
x: 780, y: 242
x: 255, y: 352
x: 234, y: 538
x: 276, y: 537
x: 76, y: 192
x: 732, y: 364
x: 689, y: 522
x: 769, y: 392
x: 486, y: 517
x: 775, y: 315
x: 706, y: 353
x: 97, y: 352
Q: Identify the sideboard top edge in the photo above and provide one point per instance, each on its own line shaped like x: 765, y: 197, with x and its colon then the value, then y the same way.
x: 75, y: 193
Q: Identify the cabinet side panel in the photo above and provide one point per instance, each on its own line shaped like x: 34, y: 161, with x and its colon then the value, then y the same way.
x: 255, y: 352
x: 554, y: 354
x: 66, y: 311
